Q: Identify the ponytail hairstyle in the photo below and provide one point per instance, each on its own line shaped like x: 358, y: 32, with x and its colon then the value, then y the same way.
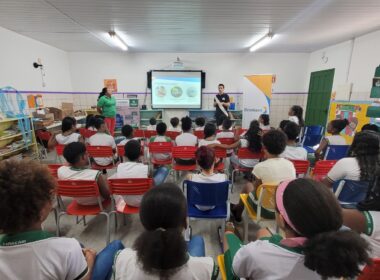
x: 312, y: 212
x: 161, y: 248
x: 298, y: 112
x: 338, y: 125
x: 102, y: 93
x: 264, y: 118
x: 365, y: 148
x: 205, y: 157
x: 253, y: 136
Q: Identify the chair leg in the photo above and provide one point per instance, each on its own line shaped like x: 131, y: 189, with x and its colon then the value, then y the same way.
x: 245, y: 226
x: 115, y: 220
x: 58, y: 233
x: 125, y: 219
x: 108, y: 229
x: 84, y: 220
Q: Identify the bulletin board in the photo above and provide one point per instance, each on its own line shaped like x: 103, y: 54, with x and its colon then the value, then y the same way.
x: 354, y: 112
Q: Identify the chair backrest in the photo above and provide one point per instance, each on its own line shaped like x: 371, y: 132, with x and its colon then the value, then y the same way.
x: 220, y: 153
x: 314, y: 130
x: 350, y: 191
x: 187, y: 152
x: 43, y: 135
x: 371, y: 272
x: 311, y: 140
x: 120, y: 150
x: 129, y: 186
x: 199, y: 133
x: 149, y: 133
x: 245, y: 153
x: 160, y: 147
x: 99, y: 151
x: 86, y: 133
x: 54, y: 169
x: 226, y: 141
x: 336, y: 152
x: 322, y: 167
x: 207, y: 193
x: 138, y: 133
x: 266, y: 197
x: 301, y: 166
x: 59, y: 149
x: 78, y: 188
x: 172, y: 134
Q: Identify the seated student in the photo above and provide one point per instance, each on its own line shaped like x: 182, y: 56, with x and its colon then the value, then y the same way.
x: 127, y: 132
x: 282, y: 125
x: 175, y: 125
x: 27, y: 191
x: 361, y: 165
x: 90, y: 122
x: 160, y: 251
x: 210, y: 136
x: 226, y: 130
x: 219, y: 122
x: 264, y: 122
x: 292, y: 150
x: 161, y: 130
x: 205, y: 157
x: 76, y: 155
x: 67, y: 136
x: 314, y: 247
x: 152, y: 124
x: 186, y: 139
x: 132, y: 168
x: 371, y: 127
x: 271, y: 171
x: 295, y: 115
x: 334, y: 127
x: 101, y: 138
x: 200, y: 123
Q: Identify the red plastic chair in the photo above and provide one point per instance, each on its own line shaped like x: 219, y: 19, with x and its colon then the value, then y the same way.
x: 173, y: 134
x: 183, y: 152
x: 220, y: 154
x: 160, y: 148
x: 54, y: 169
x: 245, y: 153
x: 138, y: 133
x: 43, y: 136
x: 149, y: 133
x: 101, y: 152
x: 86, y: 133
x: 371, y: 272
x: 226, y: 141
x: 199, y: 133
x: 81, y: 189
x: 240, y: 131
x: 301, y: 166
x: 321, y: 168
x: 59, y: 152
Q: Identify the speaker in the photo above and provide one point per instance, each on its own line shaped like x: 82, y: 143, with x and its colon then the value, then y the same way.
x: 149, y: 79
x: 203, y: 79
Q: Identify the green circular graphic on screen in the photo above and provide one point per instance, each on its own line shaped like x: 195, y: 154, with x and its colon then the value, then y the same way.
x: 176, y: 91
x: 192, y: 92
x: 161, y: 91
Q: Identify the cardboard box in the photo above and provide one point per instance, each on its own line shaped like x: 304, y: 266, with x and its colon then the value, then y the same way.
x: 58, y: 114
x: 67, y: 109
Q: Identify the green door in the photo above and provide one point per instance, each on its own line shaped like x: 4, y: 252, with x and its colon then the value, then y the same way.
x: 319, y: 95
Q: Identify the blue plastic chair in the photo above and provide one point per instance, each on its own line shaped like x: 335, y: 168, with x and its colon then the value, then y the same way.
x: 314, y: 130
x: 350, y: 193
x: 312, y: 136
x: 336, y: 152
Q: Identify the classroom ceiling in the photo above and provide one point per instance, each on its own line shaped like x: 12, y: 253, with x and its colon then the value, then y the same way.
x: 190, y: 25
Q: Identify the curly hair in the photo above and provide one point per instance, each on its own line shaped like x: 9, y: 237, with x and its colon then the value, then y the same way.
x: 25, y: 188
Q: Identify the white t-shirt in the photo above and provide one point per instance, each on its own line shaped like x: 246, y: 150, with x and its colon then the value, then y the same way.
x: 204, y: 142
x: 151, y: 127
x: 72, y: 173
x: 294, y: 152
x: 186, y: 139
x: 39, y: 255
x: 294, y: 119
x: 202, y: 178
x: 200, y: 128
x: 345, y: 168
x: 131, y: 169
x: 102, y: 139
x: 159, y: 138
x: 336, y: 140
x: 126, y: 267
x: 67, y: 139
x: 266, y: 127
x: 268, y: 260
x: 274, y: 170
x: 372, y: 235
x: 175, y: 129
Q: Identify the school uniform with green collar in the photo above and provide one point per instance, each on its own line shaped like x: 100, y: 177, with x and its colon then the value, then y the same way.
x: 372, y: 233
x: 40, y: 255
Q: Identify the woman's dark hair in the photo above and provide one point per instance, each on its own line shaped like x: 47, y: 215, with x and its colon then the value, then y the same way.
x: 127, y: 131
x: 205, y: 157
x: 265, y: 118
x: 227, y: 123
x: 161, y: 248
x: 98, y: 123
x: 253, y: 136
x: 200, y: 121
x: 298, y: 112
x: 365, y: 148
x: 152, y: 121
x: 25, y: 188
x: 73, y: 152
x: 292, y: 130
x: 174, y: 121
x: 317, y: 215
x: 102, y: 93
x: 274, y: 142
x: 209, y: 130
x: 186, y: 124
x: 161, y: 128
x: 90, y: 121
x: 339, y: 125
x: 371, y: 127
x: 283, y: 123
x: 67, y: 124
x: 132, y: 150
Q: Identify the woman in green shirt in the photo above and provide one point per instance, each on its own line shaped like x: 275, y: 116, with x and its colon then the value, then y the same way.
x: 107, y: 108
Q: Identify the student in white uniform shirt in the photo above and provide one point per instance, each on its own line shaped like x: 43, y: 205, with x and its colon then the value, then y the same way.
x: 313, y: 246
x: 210, y: 136
x: 127, y: 132
x: 334, y: 128
x: 132, y: 168
x: 200, y: 123
x: 102, y: 138
x: 292, y: 150
x: 76, y: 155
x: 264, y: 122
x: 160, y: 251
x: 175, y: 125
x: 160, y: 137
x: 186, y: 139
x: 362, y: 164
x: 68, y: 134
x: 205, y: 157
x: 152, y: 124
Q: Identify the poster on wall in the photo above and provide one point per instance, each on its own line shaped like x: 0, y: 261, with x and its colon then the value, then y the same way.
x: 354, y: 112
x: 257, y: 94
x: 111, y: 83
x: 127, y: 112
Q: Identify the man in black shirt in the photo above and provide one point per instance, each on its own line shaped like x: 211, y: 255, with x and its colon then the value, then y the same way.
x: 224, y: 100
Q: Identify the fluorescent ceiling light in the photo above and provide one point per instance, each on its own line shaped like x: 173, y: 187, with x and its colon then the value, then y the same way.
x: 118, y: 41
x: 262, y: 42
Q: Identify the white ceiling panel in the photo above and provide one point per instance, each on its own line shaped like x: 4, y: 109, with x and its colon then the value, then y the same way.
x: 190, y: 25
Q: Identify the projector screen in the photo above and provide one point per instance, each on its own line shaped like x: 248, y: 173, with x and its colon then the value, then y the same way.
x: 176, y: 89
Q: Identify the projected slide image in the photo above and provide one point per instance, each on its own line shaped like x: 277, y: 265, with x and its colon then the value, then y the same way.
x: 176, y: 91
x: 161, y: 91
